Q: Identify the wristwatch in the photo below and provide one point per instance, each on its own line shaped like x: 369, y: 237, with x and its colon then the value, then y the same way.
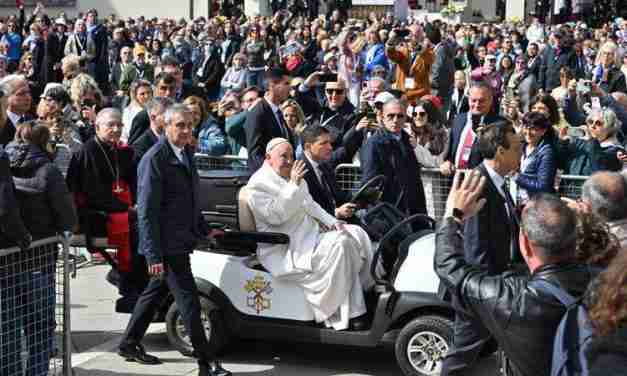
x: 458, y: 214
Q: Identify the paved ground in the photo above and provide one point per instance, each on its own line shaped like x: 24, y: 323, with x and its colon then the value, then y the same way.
x: 96, y: 331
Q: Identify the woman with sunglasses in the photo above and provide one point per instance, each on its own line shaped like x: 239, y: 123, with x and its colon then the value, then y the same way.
x: 597, y: 151
x: 427, y: 134
x: 538, y: 164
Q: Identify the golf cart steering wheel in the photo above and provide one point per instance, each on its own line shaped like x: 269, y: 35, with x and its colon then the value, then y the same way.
x: 403, y: 226
x: 369, y: 193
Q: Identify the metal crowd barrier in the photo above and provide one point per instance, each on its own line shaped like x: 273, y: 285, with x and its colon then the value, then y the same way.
x: 35, y: 332
x: 223, y: 162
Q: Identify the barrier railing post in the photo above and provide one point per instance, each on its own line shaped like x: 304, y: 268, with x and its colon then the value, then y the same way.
x: 67, y: 327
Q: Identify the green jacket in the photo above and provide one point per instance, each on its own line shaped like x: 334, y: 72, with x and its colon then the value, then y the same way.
x: 132, y: 73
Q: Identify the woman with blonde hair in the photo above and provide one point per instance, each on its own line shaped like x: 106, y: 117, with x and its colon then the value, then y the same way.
x: 140, y: 93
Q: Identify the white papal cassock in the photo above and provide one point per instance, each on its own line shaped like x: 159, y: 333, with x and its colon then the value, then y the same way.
x: 332, y: 267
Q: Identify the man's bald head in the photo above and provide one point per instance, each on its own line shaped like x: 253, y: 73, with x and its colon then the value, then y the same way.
x: 606, y: 193
x: 281, y: 158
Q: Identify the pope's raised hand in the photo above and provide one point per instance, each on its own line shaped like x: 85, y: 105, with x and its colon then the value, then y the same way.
x: 298, y: 172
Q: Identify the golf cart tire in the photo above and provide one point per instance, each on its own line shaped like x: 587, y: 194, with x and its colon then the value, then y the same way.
x: 432, y: 326
x: 216, y: 338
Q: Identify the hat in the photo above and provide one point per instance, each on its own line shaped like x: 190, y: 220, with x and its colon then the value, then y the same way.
x: 490, y: 57
x: 339, y: 84
x: 57, y: 92
x: 329, y: 56
x: 383, y: 98
x: 139, y: 49
x: 274, y: 143
x: 60, y: 21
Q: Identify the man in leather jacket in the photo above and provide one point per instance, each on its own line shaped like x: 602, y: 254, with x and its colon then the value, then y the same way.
x: 521, y: 317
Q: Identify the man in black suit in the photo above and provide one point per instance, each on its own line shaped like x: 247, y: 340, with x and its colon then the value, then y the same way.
x: 265, y: 120
x: 459, y: 100
x: 171, y: 65
x: 168, y: 170
x: 490, y: 237
x: 165, y: 87
x: 156, y: 109
x: 462, y: 151
x: 19, y: 101
x: 321, y: 160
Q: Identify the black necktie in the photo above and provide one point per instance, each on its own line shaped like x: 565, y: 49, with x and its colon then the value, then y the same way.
x: 326, y: 187
x: 513, y: 225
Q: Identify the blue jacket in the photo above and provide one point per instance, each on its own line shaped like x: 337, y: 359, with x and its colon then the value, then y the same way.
x: 211, y: 138
x: 169, y: 217
x: 383, y: 154
x: 539, y: 175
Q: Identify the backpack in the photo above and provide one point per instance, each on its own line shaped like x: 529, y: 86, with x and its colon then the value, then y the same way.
x: 573, y: 334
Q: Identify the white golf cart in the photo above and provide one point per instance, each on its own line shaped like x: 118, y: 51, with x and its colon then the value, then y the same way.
x: 240, y: 299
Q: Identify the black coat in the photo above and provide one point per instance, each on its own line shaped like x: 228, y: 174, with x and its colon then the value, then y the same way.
x: 7, y: 133
x: 332, y: 197
x: 99, y: 66
x: 522, y: 319
x: 12, y: 229
x: 607, y: 355
x: 261, y: 127
x: 168, y: 211
x: 456, y: 133
x: 46, y: 204
x: 488, y: 234
x: 384, y: 155
x: 143, y: 144
x: 89, y: 175
x: 141, y: 122
x: 552, y: 63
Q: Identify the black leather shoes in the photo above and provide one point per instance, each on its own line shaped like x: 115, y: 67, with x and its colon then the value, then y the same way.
x: 136, y: 353
x: 212, y: 369
x: 217, y: 369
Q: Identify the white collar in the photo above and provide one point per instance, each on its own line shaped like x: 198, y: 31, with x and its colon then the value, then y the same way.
x: 314, y: 164
x: 497, y: 179
x: 273, y: 106
x: 177, y: 150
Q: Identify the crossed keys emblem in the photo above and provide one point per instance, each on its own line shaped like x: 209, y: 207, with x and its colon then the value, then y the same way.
x: 258, y: 290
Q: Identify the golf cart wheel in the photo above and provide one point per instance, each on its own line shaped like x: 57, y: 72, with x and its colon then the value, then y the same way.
x: 422, y: 345
x: 212, y: 322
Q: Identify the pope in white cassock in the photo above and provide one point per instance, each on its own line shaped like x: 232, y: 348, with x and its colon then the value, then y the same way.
x: 329, y: 259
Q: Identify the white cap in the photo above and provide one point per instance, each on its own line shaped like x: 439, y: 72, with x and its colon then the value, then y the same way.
x: 384, y: 97
x: 274, y: 143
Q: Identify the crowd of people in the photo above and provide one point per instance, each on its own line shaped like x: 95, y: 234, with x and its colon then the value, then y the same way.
x: 129, y: 102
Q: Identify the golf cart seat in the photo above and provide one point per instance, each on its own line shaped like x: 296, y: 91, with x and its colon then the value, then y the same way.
x: 244, y: 241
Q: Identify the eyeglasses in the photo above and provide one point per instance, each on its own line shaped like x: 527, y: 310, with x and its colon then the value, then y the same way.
x: 335, y: 91
x: 421, y: 114
x: 594, y: 123
x: 395, y: 116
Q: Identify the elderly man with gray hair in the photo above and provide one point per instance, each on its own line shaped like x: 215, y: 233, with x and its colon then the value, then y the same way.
x: 167, y: 198
x: 101, y: 177
x: 327, y: 258
x: 17, y: 100
x: 605, y: 194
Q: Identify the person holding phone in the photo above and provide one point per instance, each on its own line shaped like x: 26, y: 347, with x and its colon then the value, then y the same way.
x: 413, y: 63
x: 334, y: 112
